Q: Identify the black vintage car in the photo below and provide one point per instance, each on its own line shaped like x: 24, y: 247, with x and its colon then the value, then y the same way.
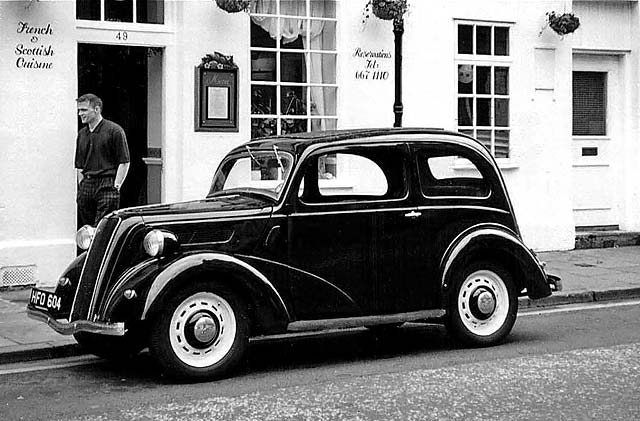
x: 304, y: 232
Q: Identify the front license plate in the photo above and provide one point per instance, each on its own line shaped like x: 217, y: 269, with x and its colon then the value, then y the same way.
x: 45, y: 300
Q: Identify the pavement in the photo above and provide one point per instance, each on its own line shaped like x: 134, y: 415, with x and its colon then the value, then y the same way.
x: 588, y: 275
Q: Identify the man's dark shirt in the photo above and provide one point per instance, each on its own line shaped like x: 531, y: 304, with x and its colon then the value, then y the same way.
x: 99, y: 153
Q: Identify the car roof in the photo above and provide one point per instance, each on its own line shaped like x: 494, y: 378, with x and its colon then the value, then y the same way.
x: 297, y: 142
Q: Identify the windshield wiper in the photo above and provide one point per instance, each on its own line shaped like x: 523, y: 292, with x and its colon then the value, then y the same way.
x: 275, y: 151
x: 252, y: 156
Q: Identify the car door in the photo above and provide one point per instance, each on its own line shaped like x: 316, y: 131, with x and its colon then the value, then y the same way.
x: 456, y: 190
x: 345, y: 234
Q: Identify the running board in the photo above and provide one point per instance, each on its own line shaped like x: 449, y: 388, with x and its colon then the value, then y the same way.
x: 350, y: 322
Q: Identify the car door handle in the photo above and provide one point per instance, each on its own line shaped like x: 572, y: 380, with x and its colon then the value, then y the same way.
x: 412, y: 214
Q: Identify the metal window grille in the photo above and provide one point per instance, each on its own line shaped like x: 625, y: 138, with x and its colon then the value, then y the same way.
x: 589, y: 103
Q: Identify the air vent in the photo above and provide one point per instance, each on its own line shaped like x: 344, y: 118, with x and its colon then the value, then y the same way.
x: 11, y: 276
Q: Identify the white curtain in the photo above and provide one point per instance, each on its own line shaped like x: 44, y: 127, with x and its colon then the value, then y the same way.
x: 290, y: 30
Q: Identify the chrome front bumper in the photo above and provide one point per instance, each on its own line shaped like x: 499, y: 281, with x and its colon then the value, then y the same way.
x: 69, y: 328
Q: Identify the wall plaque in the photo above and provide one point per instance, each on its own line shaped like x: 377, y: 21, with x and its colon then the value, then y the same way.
x: 216, y: 94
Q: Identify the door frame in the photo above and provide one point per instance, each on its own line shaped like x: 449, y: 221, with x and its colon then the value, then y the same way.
x: 603, y: 213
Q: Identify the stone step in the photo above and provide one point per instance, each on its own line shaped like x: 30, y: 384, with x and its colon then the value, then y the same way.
x: 606, y: 239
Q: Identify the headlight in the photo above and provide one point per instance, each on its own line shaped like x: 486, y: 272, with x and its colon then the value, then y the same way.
x: 156, y: 241
x: 84, y: 236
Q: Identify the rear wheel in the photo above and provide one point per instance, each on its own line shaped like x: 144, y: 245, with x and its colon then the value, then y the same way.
x: 484, y: 305
x: 201, y: 333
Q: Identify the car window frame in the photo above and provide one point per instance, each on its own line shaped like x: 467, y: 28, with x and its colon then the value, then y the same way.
x: 302, y: 206
x: 480, y: 163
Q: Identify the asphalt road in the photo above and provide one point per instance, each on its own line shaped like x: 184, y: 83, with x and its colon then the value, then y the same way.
x: 571, y: 363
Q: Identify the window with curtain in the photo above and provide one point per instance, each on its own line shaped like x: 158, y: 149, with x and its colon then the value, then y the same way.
x: 589, y: 103
x: 293, y: 66
x: 138, y: 11
x: 483, y: 66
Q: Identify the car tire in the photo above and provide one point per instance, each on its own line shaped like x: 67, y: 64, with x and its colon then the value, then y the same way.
x: 201, y: 333
x: 483, y: 306
x: 114, y: 348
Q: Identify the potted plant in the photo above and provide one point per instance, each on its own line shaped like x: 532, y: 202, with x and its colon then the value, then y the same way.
x: 233, y: 6
x: 563, y: 24
x: 386, y: 9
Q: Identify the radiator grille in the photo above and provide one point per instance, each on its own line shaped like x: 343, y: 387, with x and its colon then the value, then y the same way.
x: 17, y: 275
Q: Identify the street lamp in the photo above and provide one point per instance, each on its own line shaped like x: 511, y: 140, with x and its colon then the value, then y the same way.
x: 394, y: 10
x: 398, y: 30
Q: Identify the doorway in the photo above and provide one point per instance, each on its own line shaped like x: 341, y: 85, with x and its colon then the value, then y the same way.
x: 597, y: 112
x: 121, y: 77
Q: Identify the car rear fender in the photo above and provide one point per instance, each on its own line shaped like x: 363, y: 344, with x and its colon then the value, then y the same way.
x: 263, y: 296
x: 500, y: 244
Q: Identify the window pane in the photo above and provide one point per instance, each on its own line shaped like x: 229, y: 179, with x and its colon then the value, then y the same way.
x: 323, y: 68
x: 484, y: 112
x: 438, y: 178
x: 484, y: 136
x: 291, y: 31
x: 118, y: 10
x: 502, y: 80
x: 293, y: 7
x: 465, y: 39
x: 501, y: 47
x: 260, y: 37
x: 502, y: 144
x: 323, y: 8
x: 467, y: 132
x: 263, y: 99
x: 375, y: 183
x: 150, y: 11
x: 292, y: 67
x: 323, y: 124
x: 263, y: 127
x: 263, y: 65
x: 483, y: 40
x: 589, y: 104
x: 323, y: 35
x: 465, y: 111
x: 502, y: 112
x: 88, y: 9
x: 293, y: 100
x: 293, y: 125
x: 465, y: 79
x: 323, y: 100
x: 483, y: 84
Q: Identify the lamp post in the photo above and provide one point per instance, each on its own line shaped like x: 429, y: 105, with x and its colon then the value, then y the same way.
x: 398, y: 30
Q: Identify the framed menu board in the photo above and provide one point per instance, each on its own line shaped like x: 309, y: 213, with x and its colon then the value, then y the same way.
x: 216, y: 96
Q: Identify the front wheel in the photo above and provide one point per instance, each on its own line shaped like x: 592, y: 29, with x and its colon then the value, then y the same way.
x: 484, y: 305
x: 201, y: 333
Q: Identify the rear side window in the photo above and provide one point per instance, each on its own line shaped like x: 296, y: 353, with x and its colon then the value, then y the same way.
x: 449, y: 172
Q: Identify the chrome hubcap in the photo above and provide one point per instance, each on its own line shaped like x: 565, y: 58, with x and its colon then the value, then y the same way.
x: 201, y: 330
x: 482, y: 303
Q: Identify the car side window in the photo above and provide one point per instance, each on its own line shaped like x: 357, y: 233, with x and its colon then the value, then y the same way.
x: 363, y: 174
x: 451, y: 172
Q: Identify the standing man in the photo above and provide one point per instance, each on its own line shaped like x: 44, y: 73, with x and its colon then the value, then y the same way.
x: 102, y: 161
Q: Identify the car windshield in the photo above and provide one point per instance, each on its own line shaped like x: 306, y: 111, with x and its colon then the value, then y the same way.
x: 260, y: 172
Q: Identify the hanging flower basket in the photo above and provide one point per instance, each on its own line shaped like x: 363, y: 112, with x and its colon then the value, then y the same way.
x: 388, y: 9
x: 563, y: 24
x: 233, y: 6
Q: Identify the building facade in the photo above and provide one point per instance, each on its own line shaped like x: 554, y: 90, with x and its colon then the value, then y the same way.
x: 559, y: 112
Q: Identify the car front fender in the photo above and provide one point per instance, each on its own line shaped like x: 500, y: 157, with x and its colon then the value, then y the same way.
x: 262, y: 289
x: 494, y: 241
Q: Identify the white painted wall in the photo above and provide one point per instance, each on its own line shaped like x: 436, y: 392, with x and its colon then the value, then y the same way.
x: 37, y: 140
